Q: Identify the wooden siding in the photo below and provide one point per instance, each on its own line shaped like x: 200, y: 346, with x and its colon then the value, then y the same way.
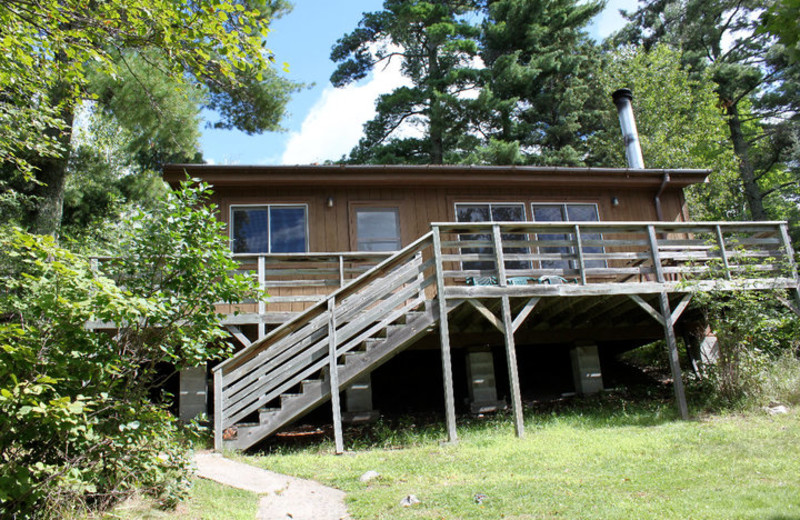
x: 331, y: 229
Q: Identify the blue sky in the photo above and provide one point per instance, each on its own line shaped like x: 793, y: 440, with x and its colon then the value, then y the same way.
x: 323, y: 122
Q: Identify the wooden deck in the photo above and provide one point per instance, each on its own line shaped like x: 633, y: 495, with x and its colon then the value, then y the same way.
x: 526, y: 280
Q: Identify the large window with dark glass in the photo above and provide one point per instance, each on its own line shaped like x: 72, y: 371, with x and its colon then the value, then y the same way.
x: 378, y: 229
x: 567, y: 213
x: 492, y: 212
x: 269, y: 229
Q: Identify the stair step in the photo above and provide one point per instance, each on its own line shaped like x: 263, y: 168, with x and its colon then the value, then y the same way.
x: 371, y: 343
x: 289, y: 397
x: 265, y: 414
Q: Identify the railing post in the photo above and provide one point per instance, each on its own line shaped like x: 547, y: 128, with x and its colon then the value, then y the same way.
x: 444, y: 338
x: 789, y: 251
x: 341, y: 271
x: 579, y: 246
x: 723, y: 252
x: 218, y: 412
x: 334, y: 375
x: 497, y: 240
x: 262, y: 277
x: 420, y: 276
x: 651, y: 232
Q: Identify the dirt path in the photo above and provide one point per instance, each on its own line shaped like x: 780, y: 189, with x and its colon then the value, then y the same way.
x: 283, y: 497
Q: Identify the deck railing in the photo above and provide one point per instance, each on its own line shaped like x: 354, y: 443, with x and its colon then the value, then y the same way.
x: 587, y: 253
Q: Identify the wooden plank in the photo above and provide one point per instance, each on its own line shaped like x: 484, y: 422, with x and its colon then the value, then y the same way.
x: 647, y: 308
x: 651, y: 233
x: 444, y: 338
x: 579, y: 251
x: 789, y: 253
x: 524, y: 313
x: 676, y: 314
x: 674, y: 363
x: 334, y: 375
x: 486, y: 313
x: 261, y: 305
x: 237, y: 333
x: 513, y: 372
x: 218, y: 411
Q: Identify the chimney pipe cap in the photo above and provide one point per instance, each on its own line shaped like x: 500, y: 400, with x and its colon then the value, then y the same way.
x: 622, y: 94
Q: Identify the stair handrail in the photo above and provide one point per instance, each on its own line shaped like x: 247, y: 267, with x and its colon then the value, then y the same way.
x: 321, y: 307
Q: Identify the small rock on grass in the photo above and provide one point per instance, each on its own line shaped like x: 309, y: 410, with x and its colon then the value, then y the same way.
x: 777, y: 409
x: 369, y: 475
x: 409, y: 501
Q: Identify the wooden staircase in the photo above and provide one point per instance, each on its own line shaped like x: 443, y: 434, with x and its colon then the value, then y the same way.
x: 353, y: 331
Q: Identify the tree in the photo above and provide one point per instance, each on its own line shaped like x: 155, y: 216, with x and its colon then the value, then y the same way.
x: 756, y: 84
x: 437, y: 46
x: 540, y: 64
x: 59, y: 52
x: 676, y: 130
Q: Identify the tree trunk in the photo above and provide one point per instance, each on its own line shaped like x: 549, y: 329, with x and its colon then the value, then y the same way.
x: 741, y: 148
x: 436, y: 123
x: 52, y: 173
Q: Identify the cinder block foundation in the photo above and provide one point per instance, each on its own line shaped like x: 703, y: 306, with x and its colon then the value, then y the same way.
x: 192, y: 399
x: 358, y: 401
x: 586, y: 372
x: 481, y: 380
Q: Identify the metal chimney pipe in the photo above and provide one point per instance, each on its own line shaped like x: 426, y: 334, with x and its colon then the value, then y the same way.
x: 633, y: 151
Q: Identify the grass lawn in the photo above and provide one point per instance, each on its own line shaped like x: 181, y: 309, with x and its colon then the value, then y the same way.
x: 208, y: 501
x: 575, y: 464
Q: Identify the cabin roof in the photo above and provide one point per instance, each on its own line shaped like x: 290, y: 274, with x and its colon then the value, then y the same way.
x: 430, y: 175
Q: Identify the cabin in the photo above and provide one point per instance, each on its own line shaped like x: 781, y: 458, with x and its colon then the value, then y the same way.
x: 448, y: 279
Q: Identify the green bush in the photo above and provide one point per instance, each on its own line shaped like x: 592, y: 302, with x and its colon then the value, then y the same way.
x: 758, y: 348
x: 77, y: 428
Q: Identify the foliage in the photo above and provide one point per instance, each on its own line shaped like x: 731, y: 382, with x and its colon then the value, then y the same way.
x: 77, y: 427
x: 676, y: 130
x: 165, y: 58
x: 540, y: 63
x: 758, y: 348
x: 754, y: 78
x: 437, y: 46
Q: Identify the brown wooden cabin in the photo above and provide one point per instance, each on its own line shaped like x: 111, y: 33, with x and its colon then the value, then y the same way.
x: 355, y: 258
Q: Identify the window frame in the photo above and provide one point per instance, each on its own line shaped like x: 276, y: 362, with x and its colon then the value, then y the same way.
x: 377, y: 207
x: 572, y: 264
x: 268, y: 207
x: 525, y: 264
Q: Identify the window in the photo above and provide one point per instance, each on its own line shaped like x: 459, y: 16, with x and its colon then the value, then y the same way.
x: 269, y: 229
x: 378, y: 229
x: 567, y: 213
x: 492, y: 212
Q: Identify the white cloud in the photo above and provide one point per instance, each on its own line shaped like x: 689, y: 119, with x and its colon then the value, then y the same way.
x: 609, y: 20
x: 334, y: 124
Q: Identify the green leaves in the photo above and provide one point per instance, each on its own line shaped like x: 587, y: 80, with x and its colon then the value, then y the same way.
x: 76, y: 422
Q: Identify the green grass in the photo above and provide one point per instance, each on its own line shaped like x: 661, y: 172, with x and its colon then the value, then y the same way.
x: 590, y: 462
x: 208, y: 501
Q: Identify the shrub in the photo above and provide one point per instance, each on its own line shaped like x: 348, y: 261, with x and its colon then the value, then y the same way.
x: 76, y: 427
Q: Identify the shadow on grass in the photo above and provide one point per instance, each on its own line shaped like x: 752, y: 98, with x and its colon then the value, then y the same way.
x: 609, y: 410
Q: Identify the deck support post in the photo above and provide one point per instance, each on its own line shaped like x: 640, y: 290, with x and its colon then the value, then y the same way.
x: 444, y: 338
x: 334, y: 377
x: 672, y: 350
x: 218, y: 410
x: 508, y: 333
x: 513, y: 371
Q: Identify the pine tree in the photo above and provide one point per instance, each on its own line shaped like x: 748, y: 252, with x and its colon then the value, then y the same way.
x: 437, y: 46
x: 540, y: 64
